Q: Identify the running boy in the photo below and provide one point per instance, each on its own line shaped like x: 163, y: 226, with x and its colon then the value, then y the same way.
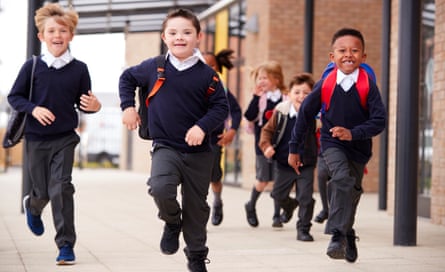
x: 182, y: 115
x: 61, y: 87
x: 274, y: 142
x: 348, y: 126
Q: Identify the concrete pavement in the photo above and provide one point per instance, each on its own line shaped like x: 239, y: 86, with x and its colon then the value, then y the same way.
x: 118, y: 231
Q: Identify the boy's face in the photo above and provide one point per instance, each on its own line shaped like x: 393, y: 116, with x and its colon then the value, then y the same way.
x: 180, y: 37
x: 298, y: 93
x: 347, y: 53
x: 56, y: 37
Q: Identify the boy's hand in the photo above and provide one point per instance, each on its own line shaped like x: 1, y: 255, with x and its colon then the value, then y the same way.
x: 226, y: 137
x: 269, y: 152
x: 294, y: 161
x: 89, y: 102
x: 194, y: 136
x: 43, y: 115
x: 341, y: 133
x: 131, y: 118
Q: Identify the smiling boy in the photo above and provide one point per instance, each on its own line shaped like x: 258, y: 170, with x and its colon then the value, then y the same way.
x: 346, y: 137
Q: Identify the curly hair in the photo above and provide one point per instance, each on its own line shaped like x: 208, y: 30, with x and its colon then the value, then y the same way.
x: 68, y: 17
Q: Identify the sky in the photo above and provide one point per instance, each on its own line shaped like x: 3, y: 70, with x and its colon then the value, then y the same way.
x: 104, y: 54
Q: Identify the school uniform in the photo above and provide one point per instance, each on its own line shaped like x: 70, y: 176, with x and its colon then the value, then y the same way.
x: 285, y: 176
x: 179, y: 104
x: 58, y: 86
x: 345, y: 160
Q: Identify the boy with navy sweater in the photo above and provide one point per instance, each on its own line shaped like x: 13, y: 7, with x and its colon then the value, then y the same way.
x: 346, y: 137
x: 61, y: 86
x: 274, y: 142
x: 182, y: 116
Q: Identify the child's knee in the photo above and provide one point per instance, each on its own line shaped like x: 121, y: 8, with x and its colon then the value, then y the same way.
x: 163, y: 187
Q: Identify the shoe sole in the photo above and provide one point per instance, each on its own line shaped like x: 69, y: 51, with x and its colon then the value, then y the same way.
x: 66, y: 262
x: 336, y: 254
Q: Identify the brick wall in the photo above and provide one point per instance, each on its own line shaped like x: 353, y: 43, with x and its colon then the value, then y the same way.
x: 438, y: 172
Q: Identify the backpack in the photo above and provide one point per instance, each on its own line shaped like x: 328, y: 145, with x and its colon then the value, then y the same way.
x: 145, y: 96
x: 330, y: 81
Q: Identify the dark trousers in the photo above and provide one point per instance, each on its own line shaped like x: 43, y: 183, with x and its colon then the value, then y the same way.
x: 285, y: 179
x: 345, y: 187
x: 323, y: 178
x: 50, y: 165
x: 192, y: 171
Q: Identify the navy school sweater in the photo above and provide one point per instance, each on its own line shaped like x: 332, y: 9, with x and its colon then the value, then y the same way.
x: 59, y: 90
x: 345, y: 110
x: 180, y: 103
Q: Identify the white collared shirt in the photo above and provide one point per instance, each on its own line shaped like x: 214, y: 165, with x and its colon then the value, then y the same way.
x: 187, y: 63
x: 293, y: 112
x: 59, y: 62
x: 274, y: 96
x: 346, y: 81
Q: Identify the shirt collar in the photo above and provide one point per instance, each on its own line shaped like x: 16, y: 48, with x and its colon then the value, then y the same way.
x: 187, y: 63
x: 292, y: 112
x: 341, y: 76
x: 58, y: 62
x: 274, y: 95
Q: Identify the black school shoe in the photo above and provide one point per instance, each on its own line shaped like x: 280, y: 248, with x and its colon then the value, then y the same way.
x: 217, y: 214
x: 321, y: 217
x: 276, y: 222
x: 170, y: 238
x: 304, y: 235
x: 351, y: 248
x: 288, y: 210
x: 252, y: 218
x: 336, y: 247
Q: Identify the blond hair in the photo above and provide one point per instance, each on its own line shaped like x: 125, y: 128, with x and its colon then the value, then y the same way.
x: 273, y: 69
x: 68, y: 17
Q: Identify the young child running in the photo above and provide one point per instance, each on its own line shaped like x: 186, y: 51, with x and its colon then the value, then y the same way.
x: 268, y: 92
x: 181, y: 117
x: 61, y: 86
x: 222, y: 136
x: 352, y: 112
x: 274, y: 142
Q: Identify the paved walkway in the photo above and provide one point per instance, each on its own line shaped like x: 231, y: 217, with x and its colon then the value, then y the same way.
x: 118, y: 231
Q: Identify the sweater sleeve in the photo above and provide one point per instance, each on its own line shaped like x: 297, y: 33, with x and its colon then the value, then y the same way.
x: 267, y: 132
x: 252, y: 111
x: 235, y: 111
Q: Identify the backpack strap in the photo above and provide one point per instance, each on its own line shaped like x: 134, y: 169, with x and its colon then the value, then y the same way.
x: 212, y: 86
x: 280, y: 128
x: 160, y: 63
x: 330, y: 81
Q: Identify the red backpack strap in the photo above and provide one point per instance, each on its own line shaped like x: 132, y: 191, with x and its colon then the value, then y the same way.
x: 327, y: 88
x: 212, y: 86
x: 160, y: 62
x: 362, y: 86
x: 330, y: 81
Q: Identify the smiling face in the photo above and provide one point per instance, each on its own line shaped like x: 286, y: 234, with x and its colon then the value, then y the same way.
x: 56, y: 37
x: 265, y: 81
x: 347, y: 53
x: 181, y: 37
x: 298, y: 93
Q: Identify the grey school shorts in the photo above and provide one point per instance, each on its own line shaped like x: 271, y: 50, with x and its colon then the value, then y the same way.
x: 264, y: 168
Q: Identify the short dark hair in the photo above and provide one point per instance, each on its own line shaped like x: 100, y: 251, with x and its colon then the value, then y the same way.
x: 184, y: 13
x: 302, y: 78
x: 348, y: 32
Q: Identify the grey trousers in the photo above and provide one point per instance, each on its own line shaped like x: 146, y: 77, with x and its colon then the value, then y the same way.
x: 345, y: 188
x: 192, y: 171
x: 50, y: 165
